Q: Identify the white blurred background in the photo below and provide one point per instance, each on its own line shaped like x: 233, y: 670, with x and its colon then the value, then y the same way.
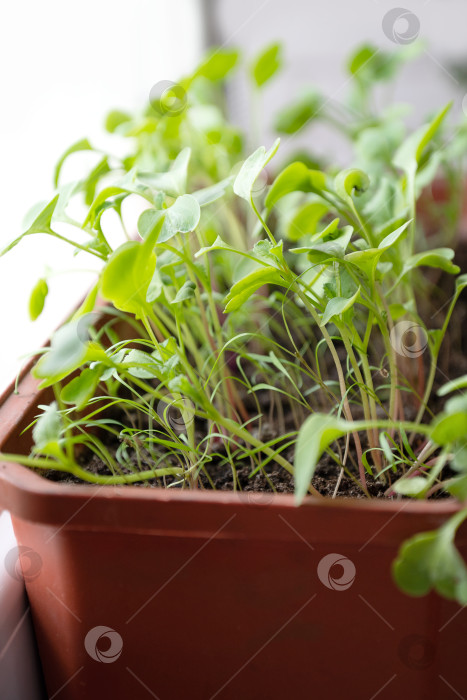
x: 65, y: 65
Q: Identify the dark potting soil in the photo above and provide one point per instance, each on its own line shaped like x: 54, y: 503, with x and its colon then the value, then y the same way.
x: 329, y: 479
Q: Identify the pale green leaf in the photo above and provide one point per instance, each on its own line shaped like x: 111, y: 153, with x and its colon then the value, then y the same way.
x: 306, y: 220
x: 211, y: 194
x: 295, y: 176
x: 155, y: 287
x: 413, y: 486
x: 393, y: 237
x: 140, y: 364
x: 242, y: 290
x: 297, y: 115
x: 68, y: 351
x: 217, y: 64
x: 182, y: 217
x: 317, y: 433
x: 453, y: 385
x: 48, y: 426
x: 186, y: 292
x: 438, y: 257
x: 172, y: 182
x: 82, y: 145
x: 81, y: 389
x: 337, y: 306
x: 449, y: 428
x: 409, y: 155
x: 430, y: 560
x: 37, y: 299
x: 251, y: 169
x: 267, y: 64
x: 116, y: 118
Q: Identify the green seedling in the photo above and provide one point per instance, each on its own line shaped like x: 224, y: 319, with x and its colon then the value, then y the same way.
x: 298, y: 294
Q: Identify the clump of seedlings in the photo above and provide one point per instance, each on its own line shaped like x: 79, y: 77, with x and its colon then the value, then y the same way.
x: 280, y: 331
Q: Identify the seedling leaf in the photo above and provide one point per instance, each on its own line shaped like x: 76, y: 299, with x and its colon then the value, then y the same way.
x: 266, y: 64
x: 295, y: 176
x: 251, y: 169
x: 317, y: 433
x: 37, y: 299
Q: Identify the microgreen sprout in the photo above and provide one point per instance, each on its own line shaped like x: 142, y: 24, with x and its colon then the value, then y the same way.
x: 304, y: 303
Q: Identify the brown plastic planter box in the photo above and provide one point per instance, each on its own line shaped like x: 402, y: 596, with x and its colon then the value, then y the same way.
x: 141, y: 592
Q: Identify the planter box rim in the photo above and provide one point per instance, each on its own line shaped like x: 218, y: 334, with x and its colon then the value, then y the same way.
x: 210, y: 514
x: 26, y: 480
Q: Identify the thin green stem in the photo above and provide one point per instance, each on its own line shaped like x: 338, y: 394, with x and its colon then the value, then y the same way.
x: 76, y: 470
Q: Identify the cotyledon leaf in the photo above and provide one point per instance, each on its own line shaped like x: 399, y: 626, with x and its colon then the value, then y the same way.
x: 251, y: 169
x: 182, y: 217
x: 337, y: 306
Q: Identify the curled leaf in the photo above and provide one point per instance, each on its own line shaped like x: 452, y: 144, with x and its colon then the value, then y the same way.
x: 349, y: 182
